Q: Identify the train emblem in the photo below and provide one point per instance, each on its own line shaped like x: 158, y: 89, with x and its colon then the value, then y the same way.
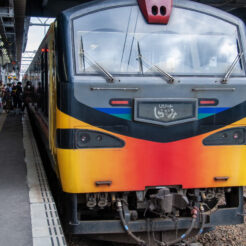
x: 165, y: 112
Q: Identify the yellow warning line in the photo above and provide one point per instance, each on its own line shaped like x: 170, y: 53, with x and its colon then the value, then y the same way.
x: 2, y: 120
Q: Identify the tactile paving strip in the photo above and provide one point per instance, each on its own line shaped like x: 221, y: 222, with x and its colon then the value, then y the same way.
x: 46, y: 226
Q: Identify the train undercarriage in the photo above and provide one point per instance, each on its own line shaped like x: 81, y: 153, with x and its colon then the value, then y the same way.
x: 160, y: 215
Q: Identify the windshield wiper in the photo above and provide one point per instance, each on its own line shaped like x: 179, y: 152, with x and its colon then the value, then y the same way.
x: 94, y: 63
x: 230, y: 69
x: 82, y: 53
x: 141, y: 59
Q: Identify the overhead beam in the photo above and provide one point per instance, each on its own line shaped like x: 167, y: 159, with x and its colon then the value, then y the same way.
x: 38, y: 24
x: 49, y: 8
x: 21, y: 31
x: 6, y: 12
x: 8, y: 24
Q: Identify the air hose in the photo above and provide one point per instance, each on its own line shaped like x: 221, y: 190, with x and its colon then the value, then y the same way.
x: 194, y: 213
x: 125, y: 226
x: 202, y: 226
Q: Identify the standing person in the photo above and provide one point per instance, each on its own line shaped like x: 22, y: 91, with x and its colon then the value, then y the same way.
x: 1, y: 96
x: 1, y: 88
x: 18, y: 97
x: 7, y: 98
x: 28, y: 94
x: 8, y: 88
x: 13, y: 93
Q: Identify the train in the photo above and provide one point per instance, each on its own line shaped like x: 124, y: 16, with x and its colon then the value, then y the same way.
x: 143, y: 113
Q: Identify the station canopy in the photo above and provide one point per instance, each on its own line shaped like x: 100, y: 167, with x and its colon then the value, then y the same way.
x: 15, y: 19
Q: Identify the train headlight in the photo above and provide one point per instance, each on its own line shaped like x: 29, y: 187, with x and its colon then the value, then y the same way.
x: 237, y: 135
x: 84, y: 138
x: 79, y: 139
x: 232, y: 136
x: 99, y: 138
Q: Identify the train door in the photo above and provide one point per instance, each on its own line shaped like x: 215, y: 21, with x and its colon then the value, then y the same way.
x: 52, y: 91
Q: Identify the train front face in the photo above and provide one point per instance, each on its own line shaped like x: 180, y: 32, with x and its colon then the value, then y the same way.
x: 145, y: 111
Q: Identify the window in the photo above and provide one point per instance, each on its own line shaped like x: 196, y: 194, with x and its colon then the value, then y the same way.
x: 120, y: 40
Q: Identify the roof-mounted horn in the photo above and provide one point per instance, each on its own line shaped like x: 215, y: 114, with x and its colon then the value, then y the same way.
x: 156, y: 11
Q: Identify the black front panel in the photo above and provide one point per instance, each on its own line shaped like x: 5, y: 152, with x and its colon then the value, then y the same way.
x: 233, y: 136
x: 80, y: 139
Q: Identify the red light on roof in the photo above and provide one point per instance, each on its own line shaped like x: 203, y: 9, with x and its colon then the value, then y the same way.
x: 44, y: 50
x: 120, y: 102
x: 208, y: 102
x: 156, y: 11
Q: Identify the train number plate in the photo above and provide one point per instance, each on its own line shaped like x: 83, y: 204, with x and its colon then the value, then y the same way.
x: 165, y: 111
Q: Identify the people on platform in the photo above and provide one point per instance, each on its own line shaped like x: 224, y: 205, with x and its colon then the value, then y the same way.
x: 28, y: 94
x: 19, y: 96
x: 14, y: 97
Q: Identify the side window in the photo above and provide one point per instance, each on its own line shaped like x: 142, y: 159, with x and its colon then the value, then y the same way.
x: 44, y: 80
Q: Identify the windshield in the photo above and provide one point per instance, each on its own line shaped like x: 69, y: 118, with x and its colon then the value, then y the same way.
x: 192, y: 43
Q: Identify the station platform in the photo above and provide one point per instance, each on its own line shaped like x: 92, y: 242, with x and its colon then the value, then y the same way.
x: 28, y: 215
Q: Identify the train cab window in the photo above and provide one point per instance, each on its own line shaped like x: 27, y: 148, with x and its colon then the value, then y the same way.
x: 97, y: 46
x: 216, y: 56
x: 187, y: 45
